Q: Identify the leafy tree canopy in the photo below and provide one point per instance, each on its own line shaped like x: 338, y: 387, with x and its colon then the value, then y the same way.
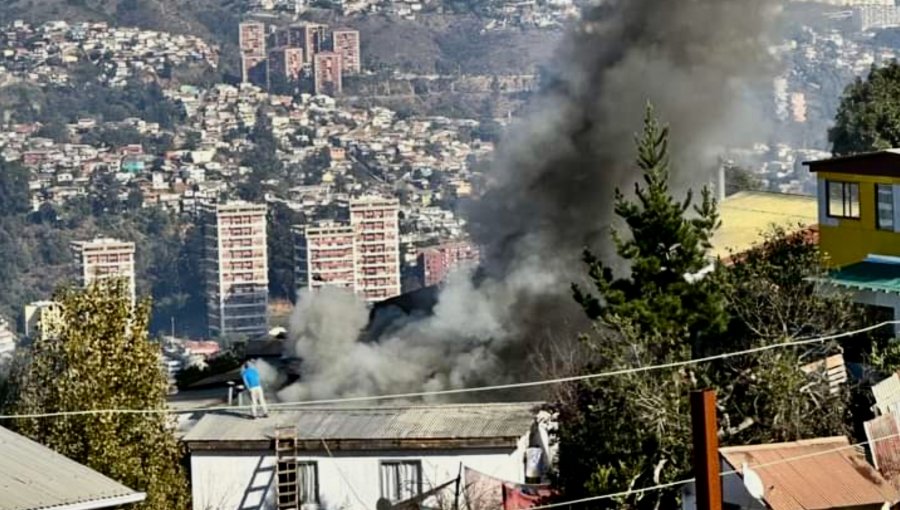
x: 868, y: 117
x: 14, y: 196
x: 103, y: 359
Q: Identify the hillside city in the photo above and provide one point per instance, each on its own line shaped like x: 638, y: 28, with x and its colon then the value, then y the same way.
x: 307, y: 257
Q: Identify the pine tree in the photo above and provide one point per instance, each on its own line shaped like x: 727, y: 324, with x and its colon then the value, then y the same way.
x: 103, y: 359
x: 665, y: 247
x: 633, y: 430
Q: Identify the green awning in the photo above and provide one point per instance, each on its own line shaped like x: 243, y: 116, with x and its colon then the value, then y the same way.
x: 868, y: 275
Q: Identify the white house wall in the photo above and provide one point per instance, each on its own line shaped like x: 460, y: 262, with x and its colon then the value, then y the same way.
x: 243, y: 480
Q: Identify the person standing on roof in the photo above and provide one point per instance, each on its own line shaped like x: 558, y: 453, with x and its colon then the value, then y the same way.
x: 250, y: 375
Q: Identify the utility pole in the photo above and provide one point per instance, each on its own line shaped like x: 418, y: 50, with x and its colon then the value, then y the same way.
x: 706, y: 450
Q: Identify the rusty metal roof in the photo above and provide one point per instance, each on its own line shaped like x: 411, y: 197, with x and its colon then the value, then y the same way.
x: 828, y: 474
x: 417, y: 423
x: 883, y: 435
x: 34, y: 477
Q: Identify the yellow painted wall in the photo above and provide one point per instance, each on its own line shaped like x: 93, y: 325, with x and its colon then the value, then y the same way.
x: 854, y: 239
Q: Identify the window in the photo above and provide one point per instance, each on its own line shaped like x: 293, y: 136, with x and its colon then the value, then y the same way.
x: 308, y: 482
x: 843, y: 199
x: 401, y: 480
x: 884, y: 195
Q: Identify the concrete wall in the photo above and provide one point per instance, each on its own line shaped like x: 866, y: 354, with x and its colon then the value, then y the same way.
x: 243, y: 480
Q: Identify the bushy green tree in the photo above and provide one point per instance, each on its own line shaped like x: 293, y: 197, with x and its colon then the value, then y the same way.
x: 14, y: 196
x: 868, y: 117
x: 103, y: 359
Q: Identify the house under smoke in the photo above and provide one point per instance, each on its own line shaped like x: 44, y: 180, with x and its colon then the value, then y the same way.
x: 352, y: 458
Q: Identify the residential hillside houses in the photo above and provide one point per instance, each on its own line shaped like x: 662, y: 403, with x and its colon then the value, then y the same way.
x: 45, y: 54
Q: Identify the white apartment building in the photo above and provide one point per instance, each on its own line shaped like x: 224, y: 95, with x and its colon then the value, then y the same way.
x: 104, y: 258
x: 363, y: 256
x: 377, y: 224
x: 237, y: 269
x: 326, y: 256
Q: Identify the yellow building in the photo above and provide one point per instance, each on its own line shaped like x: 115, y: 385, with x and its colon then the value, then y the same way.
x: 859, y: 206
x: 859, y: 225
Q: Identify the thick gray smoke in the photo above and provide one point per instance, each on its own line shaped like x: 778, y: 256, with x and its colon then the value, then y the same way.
x: 550, y: 194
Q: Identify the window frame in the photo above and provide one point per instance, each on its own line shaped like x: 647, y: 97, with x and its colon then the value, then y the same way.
x: 847, y: 210
x: 878, y: 188
x: 315, y: 469
x: 383, y: 462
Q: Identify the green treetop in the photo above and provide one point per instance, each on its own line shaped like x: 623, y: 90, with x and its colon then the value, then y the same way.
x: 665, y: 246
x: 868, y: 118
x: 103, y: 359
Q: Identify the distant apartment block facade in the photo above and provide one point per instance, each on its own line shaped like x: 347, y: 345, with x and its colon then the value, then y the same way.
x: 345, y: 42
x: 7, y: 341
x: 304, y: 49
x: 237, y: 270
x: 363, y: 256
x: 436, y: 262
x: 43, y: 319
x: 327, y: 76
x: 310, y: 37
x: 326, y: 256
x: 285, y: 62
x: 104, y: 258
x: 377, y: 225
x: 252, y: 42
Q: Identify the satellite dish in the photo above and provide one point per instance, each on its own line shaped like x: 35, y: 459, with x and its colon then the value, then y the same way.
x: 383, y: 504
x: 753, y: 482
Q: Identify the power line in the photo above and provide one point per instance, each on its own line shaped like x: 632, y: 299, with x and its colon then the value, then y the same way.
x: 288, y: 406
x: 722, y: 474
x: 341, y: 473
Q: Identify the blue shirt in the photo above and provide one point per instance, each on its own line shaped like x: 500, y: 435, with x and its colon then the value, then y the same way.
x: 250, y: 376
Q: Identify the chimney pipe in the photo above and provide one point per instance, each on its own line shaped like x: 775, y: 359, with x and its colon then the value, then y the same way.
x: 720, y: 183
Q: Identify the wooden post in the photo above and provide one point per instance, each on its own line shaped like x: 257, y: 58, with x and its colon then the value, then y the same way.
x: 706, y: 450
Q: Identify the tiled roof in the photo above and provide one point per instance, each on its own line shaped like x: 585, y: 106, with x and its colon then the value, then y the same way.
x: 820, y: 473
x: 34, y: 477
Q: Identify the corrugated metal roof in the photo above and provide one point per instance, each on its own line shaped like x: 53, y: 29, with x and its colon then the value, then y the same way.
x: 34, y: 477
x: 871, y: 275
x: 824, y: 479
x: 883, y: 435
x: 340, y: 423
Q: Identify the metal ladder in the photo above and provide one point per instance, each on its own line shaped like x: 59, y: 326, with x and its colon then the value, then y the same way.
x: 287, y: 496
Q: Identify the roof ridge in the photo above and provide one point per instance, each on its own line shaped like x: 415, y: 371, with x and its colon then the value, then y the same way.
x: 785, y: 444
x: 337, y: 407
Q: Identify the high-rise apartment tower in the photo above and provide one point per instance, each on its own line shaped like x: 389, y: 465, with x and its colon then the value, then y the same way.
x: 237, y: 270
x: 376, y: 222
x: 345, y: 42
x: 104, y: 258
